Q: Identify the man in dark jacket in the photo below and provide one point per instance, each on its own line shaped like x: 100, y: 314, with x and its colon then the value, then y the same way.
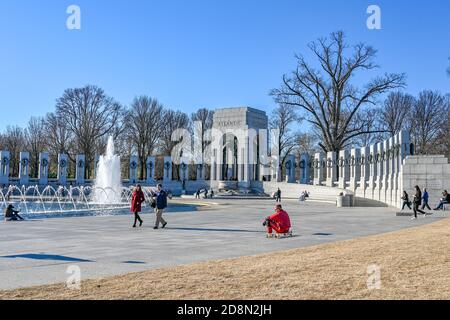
x: 278, y: 195
x: 11, y: 214
x: 445, y: 200
x: 417, y: 202
x: 425, y: 199
x: 161, y: 204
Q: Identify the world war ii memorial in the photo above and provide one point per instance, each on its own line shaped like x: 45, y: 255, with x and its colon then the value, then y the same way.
x: 351, y: 144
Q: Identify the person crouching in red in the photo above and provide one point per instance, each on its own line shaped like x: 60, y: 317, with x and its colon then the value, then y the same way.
x: 279, y: 221
x: 136, y: 204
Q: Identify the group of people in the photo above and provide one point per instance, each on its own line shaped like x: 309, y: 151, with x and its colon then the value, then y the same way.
x: 420, y: 201
x: 158, y: 201
x: 303, y: 196
x: 205, y: 192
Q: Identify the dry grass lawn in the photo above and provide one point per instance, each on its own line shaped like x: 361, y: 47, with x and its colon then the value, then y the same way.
x: 415, y: 264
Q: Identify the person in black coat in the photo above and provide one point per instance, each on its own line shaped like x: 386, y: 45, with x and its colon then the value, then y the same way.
x: 406, y: 201
x: 417, y: 202
x: 444, y: 200
x: 11, y: 214
x: 278, y: 195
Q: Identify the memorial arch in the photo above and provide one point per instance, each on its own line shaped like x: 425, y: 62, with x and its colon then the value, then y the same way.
x: 236, y: 147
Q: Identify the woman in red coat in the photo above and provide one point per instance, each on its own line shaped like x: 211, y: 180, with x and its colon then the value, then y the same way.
x: 136, y: 204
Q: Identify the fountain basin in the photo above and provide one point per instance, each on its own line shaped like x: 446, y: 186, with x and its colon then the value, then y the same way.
x: 146, y: 210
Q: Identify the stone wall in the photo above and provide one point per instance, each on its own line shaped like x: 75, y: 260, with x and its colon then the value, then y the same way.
x: 431, y: 172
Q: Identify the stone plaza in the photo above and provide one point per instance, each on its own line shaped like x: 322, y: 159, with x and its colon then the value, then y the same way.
x: 243, y: 170
x: 42, y: 251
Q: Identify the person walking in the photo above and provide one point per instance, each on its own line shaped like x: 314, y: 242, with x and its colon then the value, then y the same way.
x: 278, y: 195
x: 406, y: 201
x: 161, y: 204
x: 197, y: 194
x: 425, y: 198
x: 136, y: 204
x: 417, y: 202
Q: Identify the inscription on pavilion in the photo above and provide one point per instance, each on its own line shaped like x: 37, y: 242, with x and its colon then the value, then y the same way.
x: 229, y: 124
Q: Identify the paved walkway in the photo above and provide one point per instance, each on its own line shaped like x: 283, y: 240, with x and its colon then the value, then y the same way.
x: 40, y: 251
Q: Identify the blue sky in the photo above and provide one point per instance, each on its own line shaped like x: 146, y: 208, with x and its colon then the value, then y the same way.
x: 200, y: 53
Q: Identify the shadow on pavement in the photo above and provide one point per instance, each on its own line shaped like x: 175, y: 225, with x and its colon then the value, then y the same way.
x: 35, y: 256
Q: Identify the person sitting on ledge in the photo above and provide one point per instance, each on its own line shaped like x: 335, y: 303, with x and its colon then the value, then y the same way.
x: 406, y: 201
x: 279, y: 221
x: 303, y: 196
x: 445, y: 200
x: 11, y: 214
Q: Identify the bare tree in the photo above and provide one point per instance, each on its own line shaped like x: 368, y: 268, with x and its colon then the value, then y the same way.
x: 394, y: 115
x: 205, y: 118
x: 58, y: 138
x: 306, y: 143
x: 173, y: 120
x: 144, y: 125
x: 429, y: 116
x: 327, y: 97
x: 90, y: 115
x: 282, y: 119
x: 14, y: 141
x: 372, y: 128
x: 442, y: 144
x: 35, y: 137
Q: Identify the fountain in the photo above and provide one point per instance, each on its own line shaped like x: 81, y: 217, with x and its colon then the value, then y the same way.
x: 106, y: 197
x: 36, y: 201
x: 108, y: 183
